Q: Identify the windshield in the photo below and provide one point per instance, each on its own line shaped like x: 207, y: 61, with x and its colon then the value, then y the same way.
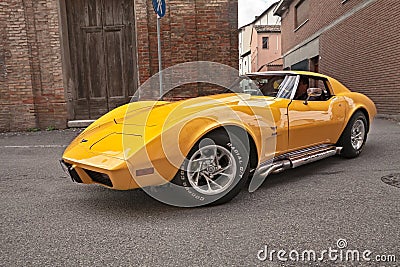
x: 274, y: 85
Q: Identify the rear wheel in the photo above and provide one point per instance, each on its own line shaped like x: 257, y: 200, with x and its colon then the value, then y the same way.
x: 354, y: 136
x: 214, y: 171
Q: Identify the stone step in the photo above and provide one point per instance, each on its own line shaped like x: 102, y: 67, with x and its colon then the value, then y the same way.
x: 79, y: 123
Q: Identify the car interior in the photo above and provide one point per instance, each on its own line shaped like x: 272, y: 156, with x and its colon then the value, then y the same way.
x: 282, y: 86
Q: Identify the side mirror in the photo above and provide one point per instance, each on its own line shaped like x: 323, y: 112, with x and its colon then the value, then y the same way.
x: 312, y: 92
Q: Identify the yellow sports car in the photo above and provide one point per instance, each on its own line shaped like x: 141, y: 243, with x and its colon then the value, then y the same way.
x: 203, y: 150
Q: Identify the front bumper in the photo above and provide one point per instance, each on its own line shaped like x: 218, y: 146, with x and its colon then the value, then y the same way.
x: 96, y: 177
x: 70, y: 171
x: 119, y: 179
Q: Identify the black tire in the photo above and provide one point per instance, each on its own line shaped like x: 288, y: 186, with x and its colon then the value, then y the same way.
x: 352, y: 147
x: 232, y: 150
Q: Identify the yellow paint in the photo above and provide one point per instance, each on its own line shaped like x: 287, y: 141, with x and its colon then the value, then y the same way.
x: 160, y: 134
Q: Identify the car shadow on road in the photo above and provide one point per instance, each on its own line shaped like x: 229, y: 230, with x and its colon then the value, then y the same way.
x: 137, y: 202
x: 322, y: 167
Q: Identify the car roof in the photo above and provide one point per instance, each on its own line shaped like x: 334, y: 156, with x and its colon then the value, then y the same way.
x: 290, y: 72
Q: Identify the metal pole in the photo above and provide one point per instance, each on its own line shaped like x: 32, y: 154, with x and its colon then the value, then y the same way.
x: 159, y: 57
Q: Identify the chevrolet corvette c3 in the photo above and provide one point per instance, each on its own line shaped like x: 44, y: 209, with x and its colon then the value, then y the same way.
x: 211, y: 146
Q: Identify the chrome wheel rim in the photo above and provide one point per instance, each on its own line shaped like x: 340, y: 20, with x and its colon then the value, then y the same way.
x: 211, y: 170
x: 357, y: 134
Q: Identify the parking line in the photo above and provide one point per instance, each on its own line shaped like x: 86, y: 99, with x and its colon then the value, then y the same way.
x: 36, y: 146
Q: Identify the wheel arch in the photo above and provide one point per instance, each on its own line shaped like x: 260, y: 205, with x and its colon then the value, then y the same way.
x: 364, y: 111
x: 366, y: 114
x: 238, y: 131
x: 350, y: 149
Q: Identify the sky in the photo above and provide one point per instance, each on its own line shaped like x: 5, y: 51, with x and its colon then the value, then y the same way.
x: 248, y: 9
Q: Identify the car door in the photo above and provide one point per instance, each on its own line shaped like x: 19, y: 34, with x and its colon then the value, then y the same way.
x: 315, y: 122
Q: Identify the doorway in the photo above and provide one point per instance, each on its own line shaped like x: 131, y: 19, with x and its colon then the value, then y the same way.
x: 102, y: 55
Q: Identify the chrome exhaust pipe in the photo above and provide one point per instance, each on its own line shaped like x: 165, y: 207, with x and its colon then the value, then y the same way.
x: 266, y: 169
x: 313, y: 157
x: 292, y: 161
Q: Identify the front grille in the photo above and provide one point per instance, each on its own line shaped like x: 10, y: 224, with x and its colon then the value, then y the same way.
x: 100, y: 178
x: 72, y: 172
x: 75, y: 176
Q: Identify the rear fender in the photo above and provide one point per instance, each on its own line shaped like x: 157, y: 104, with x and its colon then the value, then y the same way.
x: 359, y: 102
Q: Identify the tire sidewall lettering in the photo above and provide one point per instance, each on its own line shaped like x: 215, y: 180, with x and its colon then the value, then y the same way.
x: 240, y: 169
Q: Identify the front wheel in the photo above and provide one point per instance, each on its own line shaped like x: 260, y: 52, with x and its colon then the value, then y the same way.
x: 354, y: 136
x: 214, y: 171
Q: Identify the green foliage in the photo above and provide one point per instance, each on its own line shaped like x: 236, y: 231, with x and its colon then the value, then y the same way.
x: 34, y: 129
x: 50, y: 128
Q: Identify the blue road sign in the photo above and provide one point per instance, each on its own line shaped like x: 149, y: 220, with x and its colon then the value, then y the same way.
x: 159, y: 7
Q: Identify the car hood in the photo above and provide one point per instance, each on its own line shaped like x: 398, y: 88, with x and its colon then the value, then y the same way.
x: 138, y: 123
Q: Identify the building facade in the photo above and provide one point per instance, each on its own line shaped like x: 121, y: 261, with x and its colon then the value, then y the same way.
x: 265, y: 43
x: 64, y: 60
x: 355, y: 41
x: 245, y: 33
x: 260, y: 43
x: 266, y: 48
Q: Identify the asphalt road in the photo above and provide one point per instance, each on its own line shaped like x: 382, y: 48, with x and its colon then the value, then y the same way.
x: 46, y: 220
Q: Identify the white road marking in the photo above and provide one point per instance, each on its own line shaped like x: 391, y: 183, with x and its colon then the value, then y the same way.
x: 36, y: 146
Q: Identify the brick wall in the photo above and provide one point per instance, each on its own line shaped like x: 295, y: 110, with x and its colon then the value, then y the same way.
x: 366, y: 58
x: 16, y: 96
x: 200, y: 30
x: 32, y: 91
x: 31, y: 85
x: 322, y: 13
x: 361, y: 51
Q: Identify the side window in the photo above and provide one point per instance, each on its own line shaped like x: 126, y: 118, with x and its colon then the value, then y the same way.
x: 307, y: 82
x: 323, y: 84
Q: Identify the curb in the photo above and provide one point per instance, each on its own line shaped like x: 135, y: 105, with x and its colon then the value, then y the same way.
x: 388, y: 117
x: 79, y: 123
